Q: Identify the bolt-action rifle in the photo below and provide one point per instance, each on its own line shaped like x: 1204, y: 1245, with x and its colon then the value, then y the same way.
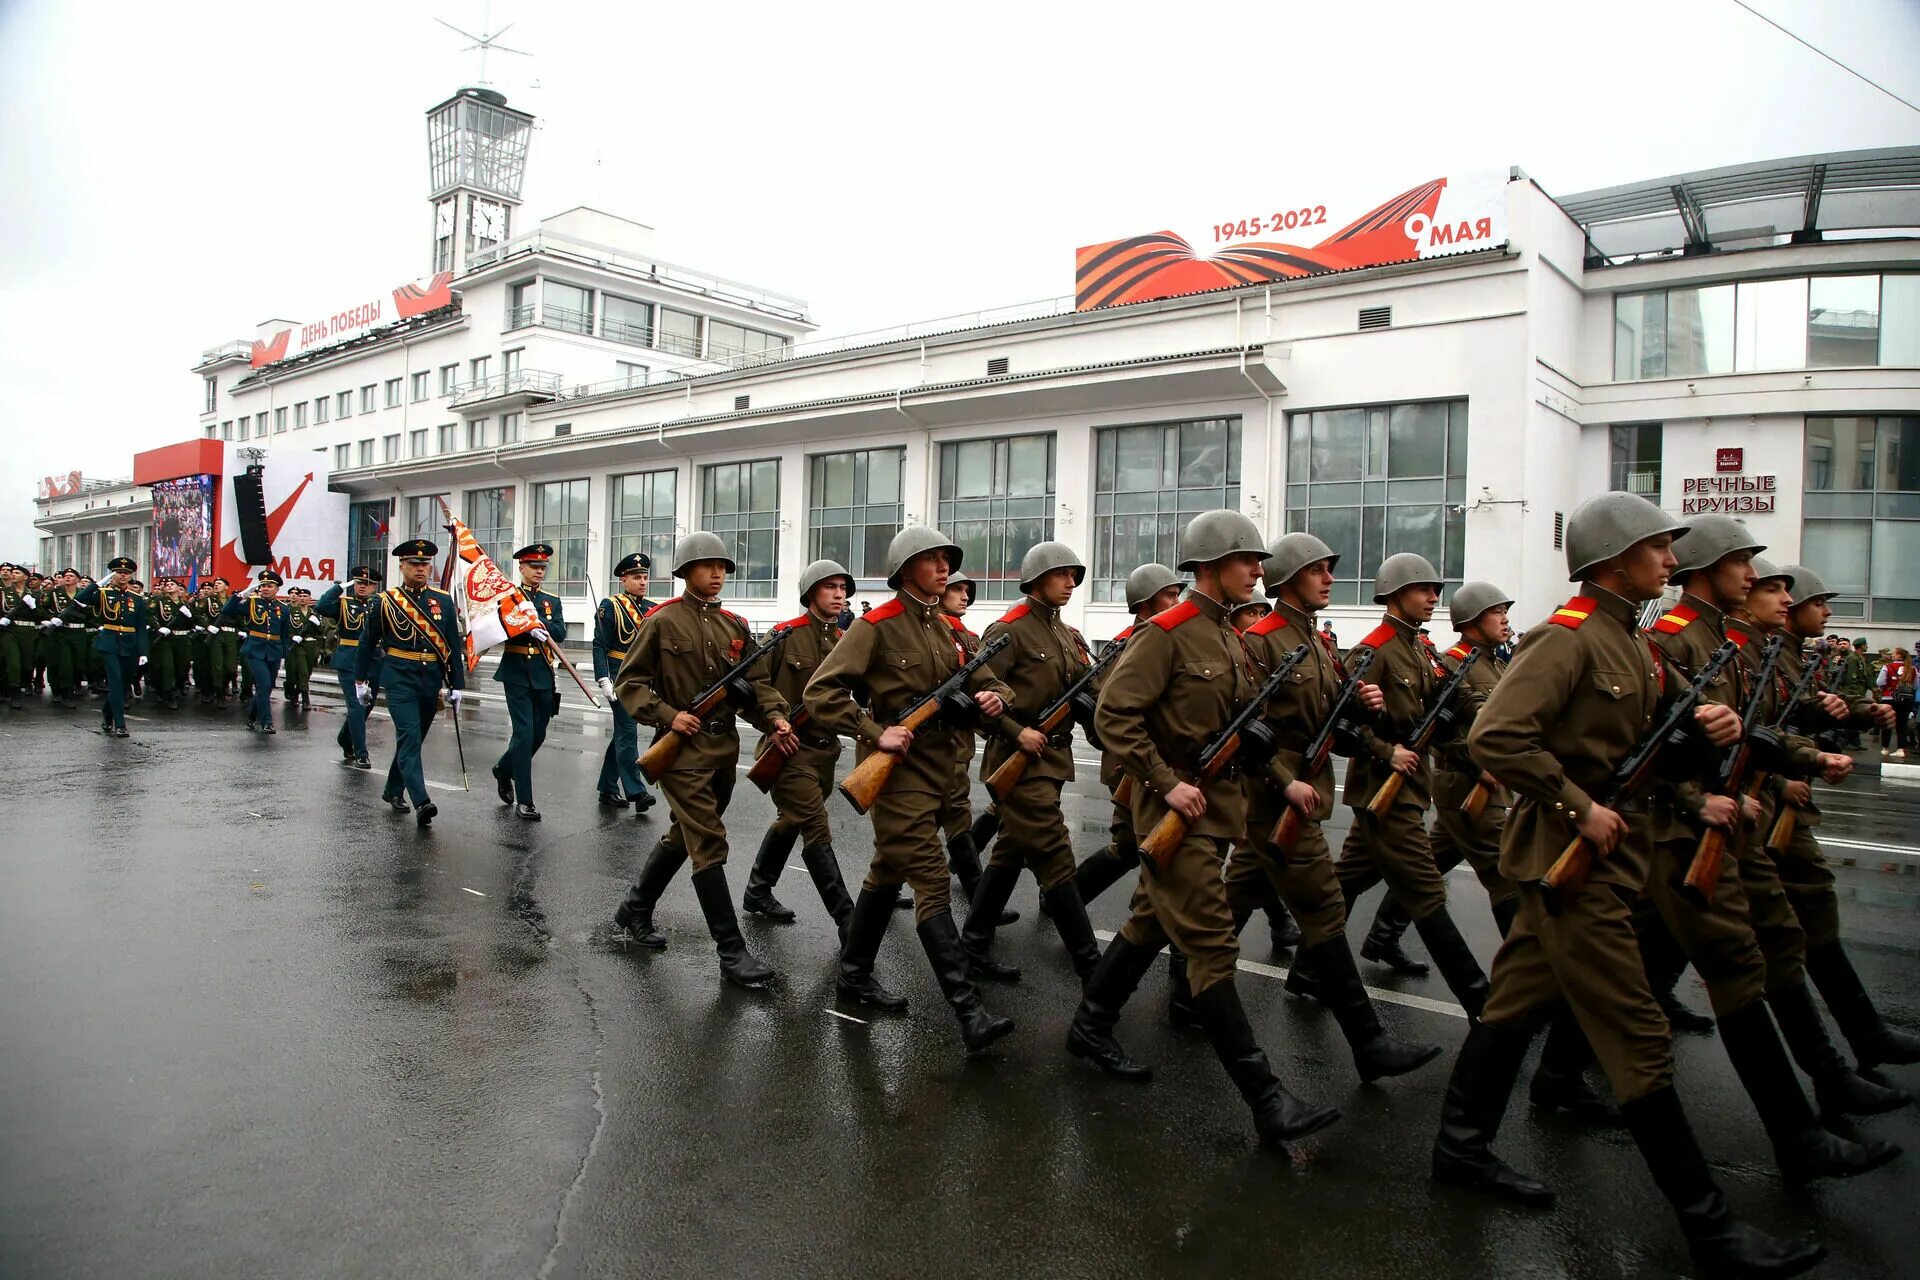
x: 1337, y: 733
x: 863, y: 786
x: 1731, y: 780
x: 1056, y: 722
x: 733, y: 683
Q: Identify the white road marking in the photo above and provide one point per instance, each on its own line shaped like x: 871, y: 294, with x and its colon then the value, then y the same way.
x: 849, y: 1017
x: 445, y: 786
x: 1868, y: 846
x: 475, y: 892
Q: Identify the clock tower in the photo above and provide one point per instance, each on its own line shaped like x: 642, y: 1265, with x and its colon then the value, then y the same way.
x: 477, y: 154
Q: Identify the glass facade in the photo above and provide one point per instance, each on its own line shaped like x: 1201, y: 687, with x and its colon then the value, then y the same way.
x: 1757, y: 325
x: 854, y: 509
x: 1377, y: 480
x: 426, y: 518
x: 1149, y: 481
x: 624, y: 320
x: 565, y: 306
x: 642, y: 513
x: 1862, y: 514
x: 1635, y: 459
x: 996, y: 500
x: 368, y: 534
x: 740, y: 501
x: 560, y: 519
x: 490, y: 516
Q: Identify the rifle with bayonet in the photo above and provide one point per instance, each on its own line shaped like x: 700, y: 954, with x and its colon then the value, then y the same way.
x: 1439, y: 716
x: 1569, y: 872
x: 1073, y: 705
x: 863, y: 786
x: 733, y: 683
x: 1336, y: 733
x: 1247, y: 732
x: 1731, y: 779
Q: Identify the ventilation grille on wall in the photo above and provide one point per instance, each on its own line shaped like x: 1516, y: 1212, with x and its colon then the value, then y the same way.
x: 1559, y: 531
x: 996, y: 366
x: 563, y: 429
x: 1376, y: 317
x: 741, y: 402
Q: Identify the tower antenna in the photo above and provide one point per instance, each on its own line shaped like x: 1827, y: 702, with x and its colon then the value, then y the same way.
x: 485, y: 44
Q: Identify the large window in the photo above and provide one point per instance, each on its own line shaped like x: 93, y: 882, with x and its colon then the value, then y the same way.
x: 390, y: 448
x: 1375, y: 481
x: 279, y: 421
x: 854, y: 509
x: 560, y: 519
x: 490, y: 516
x: 393, y: 393
x: 417, y: 443
x: 367, y: 533
x: 996, y: 501
x: 642, y: 518
x: 565, y: 306
x: 365, y: 454
x: 1635, y: 458
x: 420, y: 386
x: 1148, y: 483
x: 448, y: 436
x: 624, y: 320
x: 1862, y: 510
x: 731, y: 341
x: 299, y: 415
x: 320, y: 409
x: 426, y: 519
x: 343, y: 405
x: 1756, y: 325
x: 740, y: 501
x: 679, y: 332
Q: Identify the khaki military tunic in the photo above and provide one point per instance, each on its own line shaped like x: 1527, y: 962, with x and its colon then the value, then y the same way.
x: 681, y: 648
x: 1045, y: 657
x: 892, y: 656
x: 806, y: 780
x: 1804, y: 872
x: 1182, y: 677
x: 1304, y: 878
x: 1454, y: 836
x: 1122, y: 841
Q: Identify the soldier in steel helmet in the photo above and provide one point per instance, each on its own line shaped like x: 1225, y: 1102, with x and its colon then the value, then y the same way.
x: 966, y: 835
x: 1393, y: 846
x: 615, y: 625
x: 1182, y: 678
x: 1582, y: 694
x: 801, y: 789
x: 683, y: 647
x: 896, y: 654
x: 1046, y: 656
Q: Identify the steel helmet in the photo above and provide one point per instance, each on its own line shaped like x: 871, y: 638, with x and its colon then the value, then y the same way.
x: 1807, y: 585
x: 1397, y: 572
x: 1709, y: 539
x: 1043, y: 558
x: 1473, y: 599
x: 913, y: 540
x: 818, y: 572
x: 1765, y: 569
x: 1292, y: 554
x: 955, y: 578
x: 1215, y: 535
x: 1603, y: 527
x: 1148, y: 581
x: 700, y: 545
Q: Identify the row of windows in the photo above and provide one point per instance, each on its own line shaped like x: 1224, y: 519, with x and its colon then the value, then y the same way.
x: 1862, y: 514
x: 414, y: 388
x: 1801, y: 323
x: 89, y: 552
x: 554, y: 304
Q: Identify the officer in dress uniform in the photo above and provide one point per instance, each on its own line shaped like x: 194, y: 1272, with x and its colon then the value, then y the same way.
x: 615, y: 624
x: 410, y: 642
x: 121, y: 641
x: 348, y: 611
x: 301, y: 644
x: 527, y: 674
x: 262, y: 620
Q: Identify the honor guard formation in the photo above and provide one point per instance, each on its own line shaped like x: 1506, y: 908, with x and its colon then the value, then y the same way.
x: 1633, y: 801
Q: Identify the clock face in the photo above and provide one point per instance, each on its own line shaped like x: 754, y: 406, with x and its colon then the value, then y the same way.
x: 490, y: 221
x: 443, y: 219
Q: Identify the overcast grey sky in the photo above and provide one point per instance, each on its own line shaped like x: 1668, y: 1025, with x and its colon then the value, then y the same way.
x: 176, y: 173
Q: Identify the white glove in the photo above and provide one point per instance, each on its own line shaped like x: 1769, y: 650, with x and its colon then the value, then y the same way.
x: 200, y: 631
x: 6, y: 622
x: 187, y: 613
x: 606, y: 687
x: 28, y: 601
x: 541, y: 634
x: 453, y: 699
x: 165, y: 632
x: 364, y: 692
x: 50, y: 624
x: 143, y: 659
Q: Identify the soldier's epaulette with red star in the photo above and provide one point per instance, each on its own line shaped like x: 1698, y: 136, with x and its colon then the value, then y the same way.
x: 956, y: 624
x: 1459, y: 652
x: 1378, y: 636
x: 1268, y: 625
x: 1574, y: 612
x: 1016, y: 613
x: 1168, y: 619
x: 1674, y: 620
x: 881, y: 612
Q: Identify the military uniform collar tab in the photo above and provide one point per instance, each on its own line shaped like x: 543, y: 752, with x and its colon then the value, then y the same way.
x: 1615, y: 606
x: 1710, y: 613
x: 1405, y: 628
x: 1041, y: 607
x: 700, y: 601
x: 1297, y: 616
x: 925, y: 608
x: 1206, y: 604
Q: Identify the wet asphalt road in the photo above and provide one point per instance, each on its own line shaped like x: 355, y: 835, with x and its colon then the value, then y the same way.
x: 253, y: 1024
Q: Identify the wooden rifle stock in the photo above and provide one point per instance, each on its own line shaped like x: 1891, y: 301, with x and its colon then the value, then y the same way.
x: 1389, y: 792
x: 766, y: 770
x: 1704, y: 872
x: 1123, y: 793
x: 1287, y: 830
x: 1172, y: 827
x: 666, y: 748
x: 1476, y: 802
x: 869, y: 778
x: 1568, y: 874
x: 1003, y: 780
x: 1783, y: 828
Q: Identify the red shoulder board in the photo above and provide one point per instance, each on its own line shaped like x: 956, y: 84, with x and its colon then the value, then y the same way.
x: 881, y: 612
x: 657, y: 608
x: 1739, y: 638
x: 800, y: 621
x: 956, y: 624
x: 1574, y: 612
x: 1122, y: 635
x: 1675, y: 620
x: 1459, y: 652
x: 1267, y: 625
x: 1379, y: 636
x: 1168, y: 619
x: 728, y: 613
x: 1016, y: 613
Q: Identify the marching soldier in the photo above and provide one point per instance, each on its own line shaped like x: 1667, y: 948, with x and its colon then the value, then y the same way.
x: 65, y: 645
x: 1581, y: 696
x: 301, y: 644
x: 683, y: 647
x: 1150, y: 589
x: 894, y: 655
x: 1183, y: 676
x: 170, y: 620
x: 1804, y: 873
x: 806, y: 780
x: 121, y: 640
x: 615, y: 624
x: 223, y: 645
x: 262, y: 617
x: 410, y: 643
x: 19, y: 615
x: 527, y: 673
x: 966, y: 835
x: 348, y: 611
x: 1394, y: 847
x: 1046, y: 656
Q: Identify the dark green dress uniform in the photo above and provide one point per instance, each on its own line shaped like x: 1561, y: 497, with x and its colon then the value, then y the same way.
x: 165, y: 672
x: 267, y: 632
x: 410, y: 641
x: 65, y: 646
x: 348, y: 612
x: 615, y: 625
x: 301, y: 645
x: 532, y: 700
x: 121, y: 641
x: 19, y: 617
